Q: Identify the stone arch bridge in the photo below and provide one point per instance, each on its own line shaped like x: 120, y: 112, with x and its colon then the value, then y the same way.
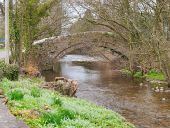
x: 49, y: 50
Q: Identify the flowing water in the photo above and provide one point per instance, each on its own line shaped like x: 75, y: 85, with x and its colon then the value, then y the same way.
x: 100, y: 84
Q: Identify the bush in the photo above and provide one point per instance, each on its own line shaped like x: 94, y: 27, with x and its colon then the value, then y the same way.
x: 11, y: 72
x: 16, y: 95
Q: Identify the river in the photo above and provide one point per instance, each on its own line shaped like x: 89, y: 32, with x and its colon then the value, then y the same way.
x: 100, y: 84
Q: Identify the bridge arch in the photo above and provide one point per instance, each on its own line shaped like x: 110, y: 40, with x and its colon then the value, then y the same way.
x: 49, y: 50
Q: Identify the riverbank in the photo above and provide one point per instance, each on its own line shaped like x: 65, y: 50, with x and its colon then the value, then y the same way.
x: 152, y: 76
x: 41, y: 108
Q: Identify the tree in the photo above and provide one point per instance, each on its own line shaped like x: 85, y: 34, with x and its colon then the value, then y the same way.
x: 143, y: 25
x: 26, y: 25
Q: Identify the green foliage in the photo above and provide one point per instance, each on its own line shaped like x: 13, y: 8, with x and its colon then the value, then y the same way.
x: 35, y: 92
x: 155, y: 75
x: 11, y: 72
x: 57, y: 101
x: 138, y: 75
x: 152, y: 75
x: 56, y: 118
x: 56, y: 110
x: 25, y: 25
x: 16, y: 94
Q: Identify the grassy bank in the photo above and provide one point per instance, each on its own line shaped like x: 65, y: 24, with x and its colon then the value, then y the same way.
x: 41, y: 108
x: 150, y: 75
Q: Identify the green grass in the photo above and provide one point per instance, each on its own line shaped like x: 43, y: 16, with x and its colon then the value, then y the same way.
x: 151, y: 75
x: 41, y: 108
x: 155, y: 75
x: 16, y: 94
x: 35, y: 92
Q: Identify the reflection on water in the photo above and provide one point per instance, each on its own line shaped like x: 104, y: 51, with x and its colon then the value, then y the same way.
x: 100, y: 84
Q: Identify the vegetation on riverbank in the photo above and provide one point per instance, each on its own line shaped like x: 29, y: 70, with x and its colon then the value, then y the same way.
x: 155, y: 75
x: 41, y: 108
x: 150, y: 75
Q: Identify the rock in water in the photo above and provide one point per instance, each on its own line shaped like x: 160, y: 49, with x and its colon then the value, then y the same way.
x: 167, y: 91
x: 163, y: 99
x: 161, y: 89
x: 141, y: 84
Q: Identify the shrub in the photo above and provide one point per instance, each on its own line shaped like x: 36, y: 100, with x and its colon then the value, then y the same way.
x: 16, y: 95
x: 11, y: 72
x: 35, y: 92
